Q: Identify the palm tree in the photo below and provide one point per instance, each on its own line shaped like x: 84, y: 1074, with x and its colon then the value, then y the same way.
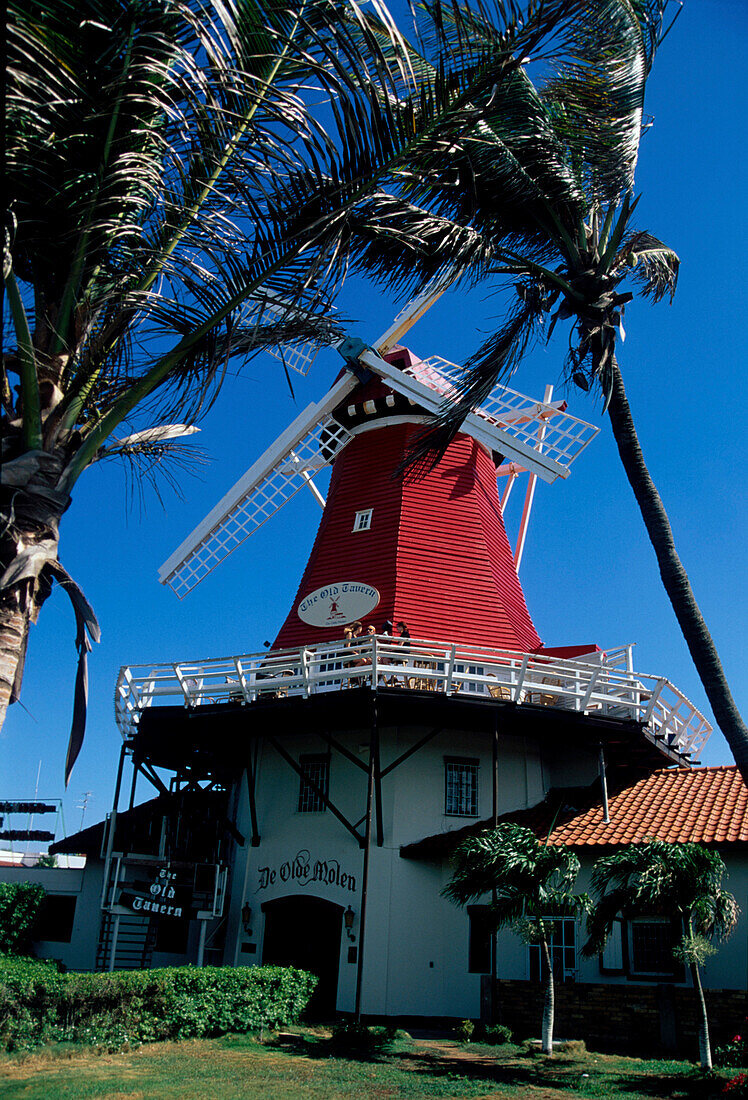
x: 175, y: 201
x: 545, y: 182
x: 676, y: 880
x: 529, y: 883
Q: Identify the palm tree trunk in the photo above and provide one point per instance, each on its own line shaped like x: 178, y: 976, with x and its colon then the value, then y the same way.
x: 674, y: 577
x: 548, y: 1005
x: 705, y: 1049
x: 30, y: 511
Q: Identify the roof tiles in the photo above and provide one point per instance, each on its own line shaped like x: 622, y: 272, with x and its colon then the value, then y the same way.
x: 703, y: 805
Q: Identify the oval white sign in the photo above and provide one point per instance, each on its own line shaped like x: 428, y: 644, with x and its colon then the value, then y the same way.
x: 337, y: 604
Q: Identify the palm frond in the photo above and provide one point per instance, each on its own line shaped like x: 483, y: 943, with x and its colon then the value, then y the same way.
x: 653, y: 264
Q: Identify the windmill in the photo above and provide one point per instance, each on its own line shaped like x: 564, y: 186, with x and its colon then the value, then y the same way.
x: 392, y: 536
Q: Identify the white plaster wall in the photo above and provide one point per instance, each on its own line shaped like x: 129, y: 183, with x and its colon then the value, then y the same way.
x: 85, y: 884
x: 728, y: 969
x: 416, y: 950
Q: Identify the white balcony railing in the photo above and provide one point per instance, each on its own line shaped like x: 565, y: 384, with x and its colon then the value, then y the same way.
x: 598, y: 684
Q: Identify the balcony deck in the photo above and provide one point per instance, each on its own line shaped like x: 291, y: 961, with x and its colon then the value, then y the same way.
x: 597, y: 684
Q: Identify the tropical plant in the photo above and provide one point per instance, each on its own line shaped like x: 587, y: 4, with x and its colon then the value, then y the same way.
x: 528, y: 883
x: 19, y: 907
x: 545, y: 180
x: 175, y: 201
x: 676, y: 880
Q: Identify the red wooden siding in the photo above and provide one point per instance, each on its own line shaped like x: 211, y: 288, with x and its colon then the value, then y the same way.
x: 437, y: 551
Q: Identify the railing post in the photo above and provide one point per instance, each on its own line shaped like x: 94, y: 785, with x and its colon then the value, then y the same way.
x: 305, y: 670
x: 647, y: 717
x: 521, y: 678
x: 450, y: 670
x: 590, y: 688
x: 374, y: 661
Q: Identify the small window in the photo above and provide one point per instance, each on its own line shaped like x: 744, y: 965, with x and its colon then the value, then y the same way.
x: 563, y: 951
x: 461, y: 788
x: 650, y: 948
x: 362, y: 522
x: 316, y: 768
x: 481, y: 939
x: 54, y: 921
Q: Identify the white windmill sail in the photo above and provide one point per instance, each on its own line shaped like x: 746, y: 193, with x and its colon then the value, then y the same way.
x: 507, y: 421
x: 289, y: 464
x: 306, y: 446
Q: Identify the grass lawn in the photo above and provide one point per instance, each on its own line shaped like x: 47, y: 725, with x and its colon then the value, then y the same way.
x: 239, y: 1068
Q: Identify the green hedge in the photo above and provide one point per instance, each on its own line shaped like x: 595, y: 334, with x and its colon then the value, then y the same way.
x: 39, y: 1005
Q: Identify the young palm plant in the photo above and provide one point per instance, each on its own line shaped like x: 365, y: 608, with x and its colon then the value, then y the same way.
x: 673, y: 880
x: 529, y: 884
x: 177, y: 200
x: 545, y: 183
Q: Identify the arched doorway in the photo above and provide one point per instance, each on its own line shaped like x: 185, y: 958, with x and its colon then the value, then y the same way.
x: 304, y: 932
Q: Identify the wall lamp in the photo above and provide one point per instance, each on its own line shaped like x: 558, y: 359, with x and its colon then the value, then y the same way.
x: 247, y: 918
x: 348, y: 918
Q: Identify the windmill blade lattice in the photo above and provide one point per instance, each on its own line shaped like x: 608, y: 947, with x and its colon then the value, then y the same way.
x: 425, y: 384
x: 307, y: 445
x: 299, y: 355
x: 564, y: 437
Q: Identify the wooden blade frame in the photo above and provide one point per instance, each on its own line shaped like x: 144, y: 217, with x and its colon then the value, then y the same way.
x: 306, y: 446
x: 508, y: 422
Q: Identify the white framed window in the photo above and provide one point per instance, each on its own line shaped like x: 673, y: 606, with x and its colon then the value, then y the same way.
x: 460, y: 787
x: 563, y: 945
x: 362, y: 522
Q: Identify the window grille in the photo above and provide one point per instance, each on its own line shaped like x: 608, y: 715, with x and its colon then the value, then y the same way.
x: 650, y: 942
x: 316, y: 768
x: 563, y: 947
x: 362, y: 522
x: 461, y: 788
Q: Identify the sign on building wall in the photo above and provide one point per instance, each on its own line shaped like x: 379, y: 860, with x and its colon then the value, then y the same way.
x: 337, y: 604
x: 164, y: 897
x: 302, y: 870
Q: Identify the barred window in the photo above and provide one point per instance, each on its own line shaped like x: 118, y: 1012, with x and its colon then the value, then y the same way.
x: 316, y: 768
x: 650, y: 947
x: 461, y: 787
x: 563, y: 947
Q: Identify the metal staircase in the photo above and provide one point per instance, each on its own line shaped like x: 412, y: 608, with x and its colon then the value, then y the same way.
x: 136, y: 937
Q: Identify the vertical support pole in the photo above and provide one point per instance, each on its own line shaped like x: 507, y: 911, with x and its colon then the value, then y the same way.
x: 251, y: 781
x: 113, y: 946
x: 201, y: 942
x: 378, y: 787
x: 112, y: 824
x: 495, y: 815
x: 530, y: 491
x: 604, y: 784
x: 367, y: 852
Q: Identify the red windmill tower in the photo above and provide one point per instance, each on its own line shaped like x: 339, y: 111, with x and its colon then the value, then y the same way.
x: 431, y: 551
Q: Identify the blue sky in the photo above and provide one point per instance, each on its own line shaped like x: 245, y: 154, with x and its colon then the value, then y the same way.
x: 588, y: 571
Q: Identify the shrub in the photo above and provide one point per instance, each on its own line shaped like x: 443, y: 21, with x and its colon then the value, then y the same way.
x: 736, y: 1087
x: 19, y: 906
x: 348, y: 1036
x: 464, y: 1031
x: 497, y: 1035
x: 39, y: 1005
x: 734, y: 1053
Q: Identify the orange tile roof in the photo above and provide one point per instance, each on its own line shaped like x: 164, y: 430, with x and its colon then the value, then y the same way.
x: 706, y: 805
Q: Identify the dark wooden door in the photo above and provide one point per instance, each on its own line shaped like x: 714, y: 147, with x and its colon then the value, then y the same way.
x: 305, y: 932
